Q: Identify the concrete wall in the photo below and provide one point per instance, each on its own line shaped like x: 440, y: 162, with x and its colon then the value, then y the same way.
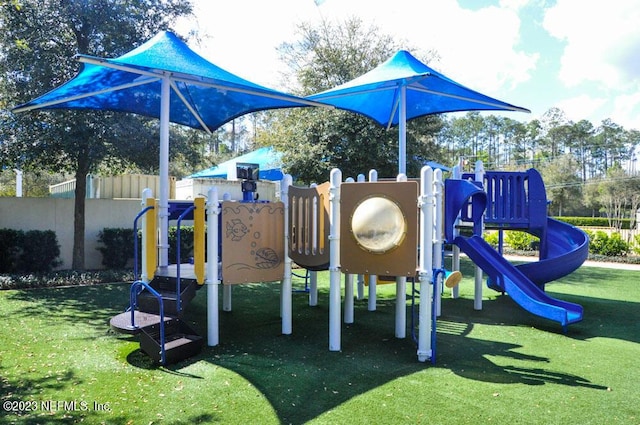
x: 57, y: 214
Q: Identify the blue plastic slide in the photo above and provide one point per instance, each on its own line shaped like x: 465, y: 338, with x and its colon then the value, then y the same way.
x: 567, y: 247
x: 519, y: 287
x: 512, y: 200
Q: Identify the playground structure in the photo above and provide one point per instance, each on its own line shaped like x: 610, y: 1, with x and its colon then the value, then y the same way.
x: 359, y: 229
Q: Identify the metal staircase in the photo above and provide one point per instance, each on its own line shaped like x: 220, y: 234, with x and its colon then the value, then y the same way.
x: 156, y: 314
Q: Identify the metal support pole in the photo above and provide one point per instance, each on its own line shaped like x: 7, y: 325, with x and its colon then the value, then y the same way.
x: 373, y: 279
x: 285, y: 293
x: 213, y: 278
x: 334, y: 260
x: 425, y: 267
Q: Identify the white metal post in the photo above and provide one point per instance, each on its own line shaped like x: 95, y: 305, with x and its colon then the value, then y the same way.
x: 402, y: 130
x: 313, y: 275
x: 348, y: 299
x: 456, y: 173
x: 313, y: 288
x: 360, y: 281
x: 477, y: 300
x: 426, y: 267
x: 438, y: 237
x: 334, y: 260
x: 226, y: 289
x: 348, y: 288
x: 373, y: 279
x: 163, y: 207
x: 213, y: 278
x: 18, y: 183
x: 401, y: 293
x: 286, y: 287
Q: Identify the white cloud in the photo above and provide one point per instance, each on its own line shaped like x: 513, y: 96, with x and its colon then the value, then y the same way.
x: 581, y: 107
x: 602, y: 40
x: 477, y: 48
x: 626, y: 110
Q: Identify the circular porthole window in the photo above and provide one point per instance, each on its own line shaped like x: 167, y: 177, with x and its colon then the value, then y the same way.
x: 378, y: 225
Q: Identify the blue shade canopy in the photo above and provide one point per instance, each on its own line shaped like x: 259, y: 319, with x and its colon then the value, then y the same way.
x: 403, y: 88
x: 269, y: 161
x: 376, y: 94
x: 203, y: 95
x: 165, y: 79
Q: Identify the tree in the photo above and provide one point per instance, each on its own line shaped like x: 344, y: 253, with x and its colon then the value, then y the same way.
x: 620, y: 196
x: 562, y: 184
x: 38, y: 41
x: 314, y: 141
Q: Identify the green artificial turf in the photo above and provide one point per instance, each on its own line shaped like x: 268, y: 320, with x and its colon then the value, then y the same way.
x: 500, y: 365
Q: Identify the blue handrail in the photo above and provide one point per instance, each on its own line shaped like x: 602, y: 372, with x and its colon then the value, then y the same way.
x: 133, y: 300
x: 178, y: 257
x: 135, y: 241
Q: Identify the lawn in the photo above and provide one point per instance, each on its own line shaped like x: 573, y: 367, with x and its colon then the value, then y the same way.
x: 60, y: 363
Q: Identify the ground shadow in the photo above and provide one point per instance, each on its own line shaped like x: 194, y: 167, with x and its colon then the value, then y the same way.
x: 301, y: 378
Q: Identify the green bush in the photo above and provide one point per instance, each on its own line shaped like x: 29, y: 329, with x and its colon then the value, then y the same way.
x: 636, y: 244
x: 592, y: 221
x: 492, y: 238
x: 10, y: 242
x: 521, y: 241
x: 117, y: 247
x: 28, y: 252
x: 186, y: 243
x: 600, y: 243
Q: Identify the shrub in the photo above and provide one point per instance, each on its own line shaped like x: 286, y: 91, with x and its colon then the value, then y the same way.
x: 10, y: 242
x: 186, y: 243
x: 31, y: 251
x: 117, y: 247
x: 492, y: 238
x: 521, y: 241
x: 636, y: 244
x: 592, y: 221
x: 602, y: 244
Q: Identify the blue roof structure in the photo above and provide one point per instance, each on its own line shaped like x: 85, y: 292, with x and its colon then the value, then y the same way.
x: 269, y: 161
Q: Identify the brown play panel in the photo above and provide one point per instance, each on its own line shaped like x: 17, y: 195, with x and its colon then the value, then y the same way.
x: 402, y: 258
x: 252, y: 242
x: 309, y: 226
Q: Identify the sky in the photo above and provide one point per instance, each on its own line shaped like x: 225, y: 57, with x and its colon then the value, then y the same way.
x: 582, y: 57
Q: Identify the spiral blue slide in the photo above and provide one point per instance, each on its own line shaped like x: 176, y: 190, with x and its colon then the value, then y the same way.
x: 517, y: 201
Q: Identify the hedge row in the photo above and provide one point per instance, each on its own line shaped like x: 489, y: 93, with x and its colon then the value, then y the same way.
x: 29, y: 251
x: 117, y: 246
x: 593, y: 221
x: 600, y: 243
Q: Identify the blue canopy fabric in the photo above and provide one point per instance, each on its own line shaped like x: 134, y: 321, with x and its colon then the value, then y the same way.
x: 403, y: 88
x: 376, y: 93
x: 165, y: 79
x: 269, y: 161
x: 205, y: 96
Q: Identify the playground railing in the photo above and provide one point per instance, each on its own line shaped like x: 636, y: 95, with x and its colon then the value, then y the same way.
x: 184, y: 214
x: 514, y: 199
x: 133, y: 300
x: 136, y: 276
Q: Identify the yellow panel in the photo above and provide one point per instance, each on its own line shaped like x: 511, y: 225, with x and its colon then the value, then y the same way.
x: 198, y: 239
x: 252, y: 242
x: 151, y: 233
